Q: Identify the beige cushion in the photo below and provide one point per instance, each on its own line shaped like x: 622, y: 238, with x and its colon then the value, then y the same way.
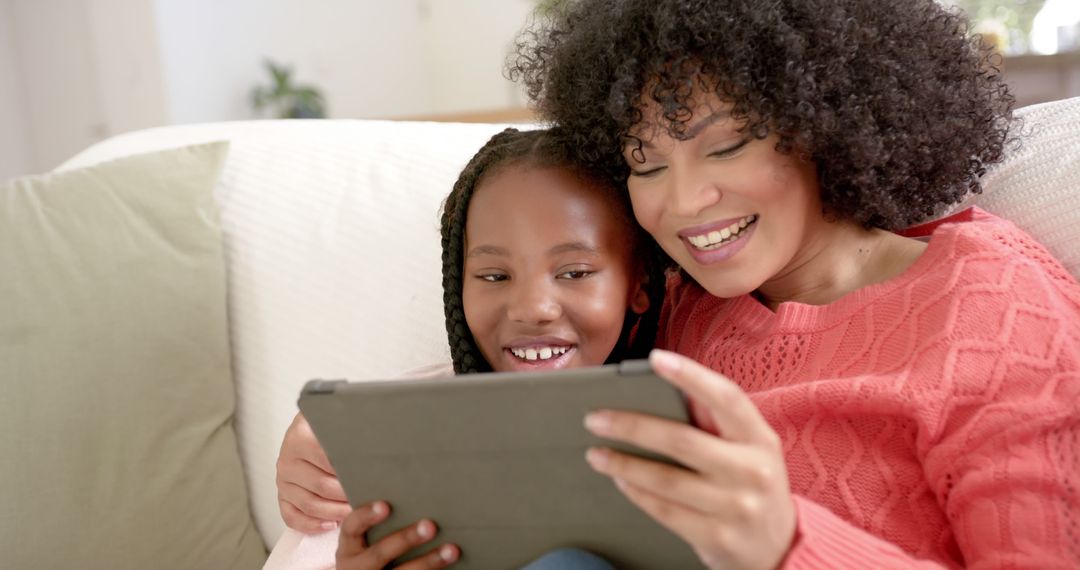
x: 116, y: 413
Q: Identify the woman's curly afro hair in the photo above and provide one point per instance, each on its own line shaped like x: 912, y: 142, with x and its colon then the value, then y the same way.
x: 897, y: 106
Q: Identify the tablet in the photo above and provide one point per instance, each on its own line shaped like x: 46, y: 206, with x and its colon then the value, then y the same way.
x: 497, y: 460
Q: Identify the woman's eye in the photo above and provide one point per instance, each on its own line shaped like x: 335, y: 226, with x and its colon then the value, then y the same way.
x: 492, y: 277
x: 647, y: 173
x: 730, y: 151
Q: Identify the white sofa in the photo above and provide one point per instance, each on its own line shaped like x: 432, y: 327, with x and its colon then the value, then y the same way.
x: 332, y: 248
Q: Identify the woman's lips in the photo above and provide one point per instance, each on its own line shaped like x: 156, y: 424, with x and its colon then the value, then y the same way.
x: 725, y: 251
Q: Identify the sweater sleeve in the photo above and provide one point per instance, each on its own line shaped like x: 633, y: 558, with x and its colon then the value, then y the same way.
x: 826, y: 541
x: 1007, y: 479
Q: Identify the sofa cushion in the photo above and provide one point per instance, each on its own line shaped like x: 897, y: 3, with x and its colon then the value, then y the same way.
x: 116, y: 417
x: 332, y: 241
x: 1037, y: 186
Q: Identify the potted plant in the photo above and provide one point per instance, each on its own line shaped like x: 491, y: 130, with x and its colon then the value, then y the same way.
x: 285, y: 99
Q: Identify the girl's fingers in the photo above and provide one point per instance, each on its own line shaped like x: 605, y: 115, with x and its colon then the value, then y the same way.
x: 301, y: 440
x: 737, y: 418
x: 440, y: 557
x: 354, y: 528
x: 298, y: 521
x: 388, y: 548
x: 312, y: 505
x: 309, y: 477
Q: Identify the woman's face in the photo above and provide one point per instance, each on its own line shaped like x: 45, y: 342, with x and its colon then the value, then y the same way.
x: 548, y: 272
x: 728, y: 208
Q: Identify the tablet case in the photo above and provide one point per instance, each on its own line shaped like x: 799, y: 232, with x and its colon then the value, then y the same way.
x: 497, y: 460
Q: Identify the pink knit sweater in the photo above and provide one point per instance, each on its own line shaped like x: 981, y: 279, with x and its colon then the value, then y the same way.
x: 933, y: 419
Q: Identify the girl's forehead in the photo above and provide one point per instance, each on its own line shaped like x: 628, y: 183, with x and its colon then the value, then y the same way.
x: 548, y: 197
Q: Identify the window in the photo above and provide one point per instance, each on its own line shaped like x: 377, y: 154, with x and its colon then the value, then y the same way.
x: 1026, y: 26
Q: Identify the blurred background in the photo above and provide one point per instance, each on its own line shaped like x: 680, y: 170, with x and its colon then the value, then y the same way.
x: 77, y: 71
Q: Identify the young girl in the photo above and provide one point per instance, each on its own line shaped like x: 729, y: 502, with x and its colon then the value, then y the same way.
x: 892, y: 403
x: 543, y: 268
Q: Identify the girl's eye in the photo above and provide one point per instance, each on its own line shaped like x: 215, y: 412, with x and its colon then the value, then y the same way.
x: 492, y: 277
x: 575, y: 274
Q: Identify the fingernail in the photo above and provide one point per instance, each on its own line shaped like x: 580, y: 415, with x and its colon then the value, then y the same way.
x: 598, y: 422
x: 664, y: 361
x: 426, y: 529
x: 328, y: 525
x: 380, y: 508
x: 597, y: 457
x: 446, y: 552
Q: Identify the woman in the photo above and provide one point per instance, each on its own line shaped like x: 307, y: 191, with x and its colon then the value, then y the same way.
x: 891, y: 402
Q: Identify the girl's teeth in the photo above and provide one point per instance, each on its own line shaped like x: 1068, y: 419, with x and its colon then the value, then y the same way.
x: 541, y: 353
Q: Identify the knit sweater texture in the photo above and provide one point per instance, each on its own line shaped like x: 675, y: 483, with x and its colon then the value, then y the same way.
x: 932, y: 420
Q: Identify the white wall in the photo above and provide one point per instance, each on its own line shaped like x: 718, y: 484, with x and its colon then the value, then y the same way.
x: 367, y: 55
x: 127, y: 64
x: 78, y: 71
x: 467, y: 43
x: 14, y: 141
x: 87, y: 69
x: 57, y: 74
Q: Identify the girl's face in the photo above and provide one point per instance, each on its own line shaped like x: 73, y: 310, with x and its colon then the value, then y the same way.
x: 548, y: 273
x: 728, y: 208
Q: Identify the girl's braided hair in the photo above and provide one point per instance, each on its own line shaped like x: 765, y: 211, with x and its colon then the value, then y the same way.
x: 541, y: 149
x: 897, y: 105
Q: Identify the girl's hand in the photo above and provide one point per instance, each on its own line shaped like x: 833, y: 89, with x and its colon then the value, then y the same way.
x: 309, y: 494
x: 732, y: 503
x: 354, y: 553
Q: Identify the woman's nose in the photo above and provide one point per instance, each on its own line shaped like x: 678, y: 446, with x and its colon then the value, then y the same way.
x: 534, y: 302
x: 691, y: 190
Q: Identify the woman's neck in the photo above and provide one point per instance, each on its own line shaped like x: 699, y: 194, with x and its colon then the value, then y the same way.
x: 844, y: 258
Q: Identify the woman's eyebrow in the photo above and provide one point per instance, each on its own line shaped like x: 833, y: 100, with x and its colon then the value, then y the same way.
x: 701, y: 125
x: 689, y: 134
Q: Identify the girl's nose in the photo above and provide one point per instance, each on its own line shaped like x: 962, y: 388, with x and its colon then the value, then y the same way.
x: 534, y: 303
x: 691, y: 191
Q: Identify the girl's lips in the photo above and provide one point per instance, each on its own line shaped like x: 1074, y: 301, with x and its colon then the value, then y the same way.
x: 556, y: 362
x: 722, y: 253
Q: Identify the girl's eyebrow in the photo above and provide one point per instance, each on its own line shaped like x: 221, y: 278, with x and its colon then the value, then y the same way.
x: 573, y: 246
x: 487, y: 250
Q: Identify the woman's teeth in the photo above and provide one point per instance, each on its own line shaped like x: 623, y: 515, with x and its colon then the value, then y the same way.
x: 542, y: 353
x: 715, y: 239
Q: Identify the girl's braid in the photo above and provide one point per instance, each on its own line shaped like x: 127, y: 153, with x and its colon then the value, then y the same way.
x: 463, y: 350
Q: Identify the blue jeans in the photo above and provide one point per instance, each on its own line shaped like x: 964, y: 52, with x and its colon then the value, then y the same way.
x: 569, y: 559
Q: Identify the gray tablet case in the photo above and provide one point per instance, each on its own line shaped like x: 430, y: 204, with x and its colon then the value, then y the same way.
x: 497, y: 460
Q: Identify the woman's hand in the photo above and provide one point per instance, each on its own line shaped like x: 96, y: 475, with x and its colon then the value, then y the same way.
x: 354, y: 553
x: 309, y: 494
x: 732, y: 503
